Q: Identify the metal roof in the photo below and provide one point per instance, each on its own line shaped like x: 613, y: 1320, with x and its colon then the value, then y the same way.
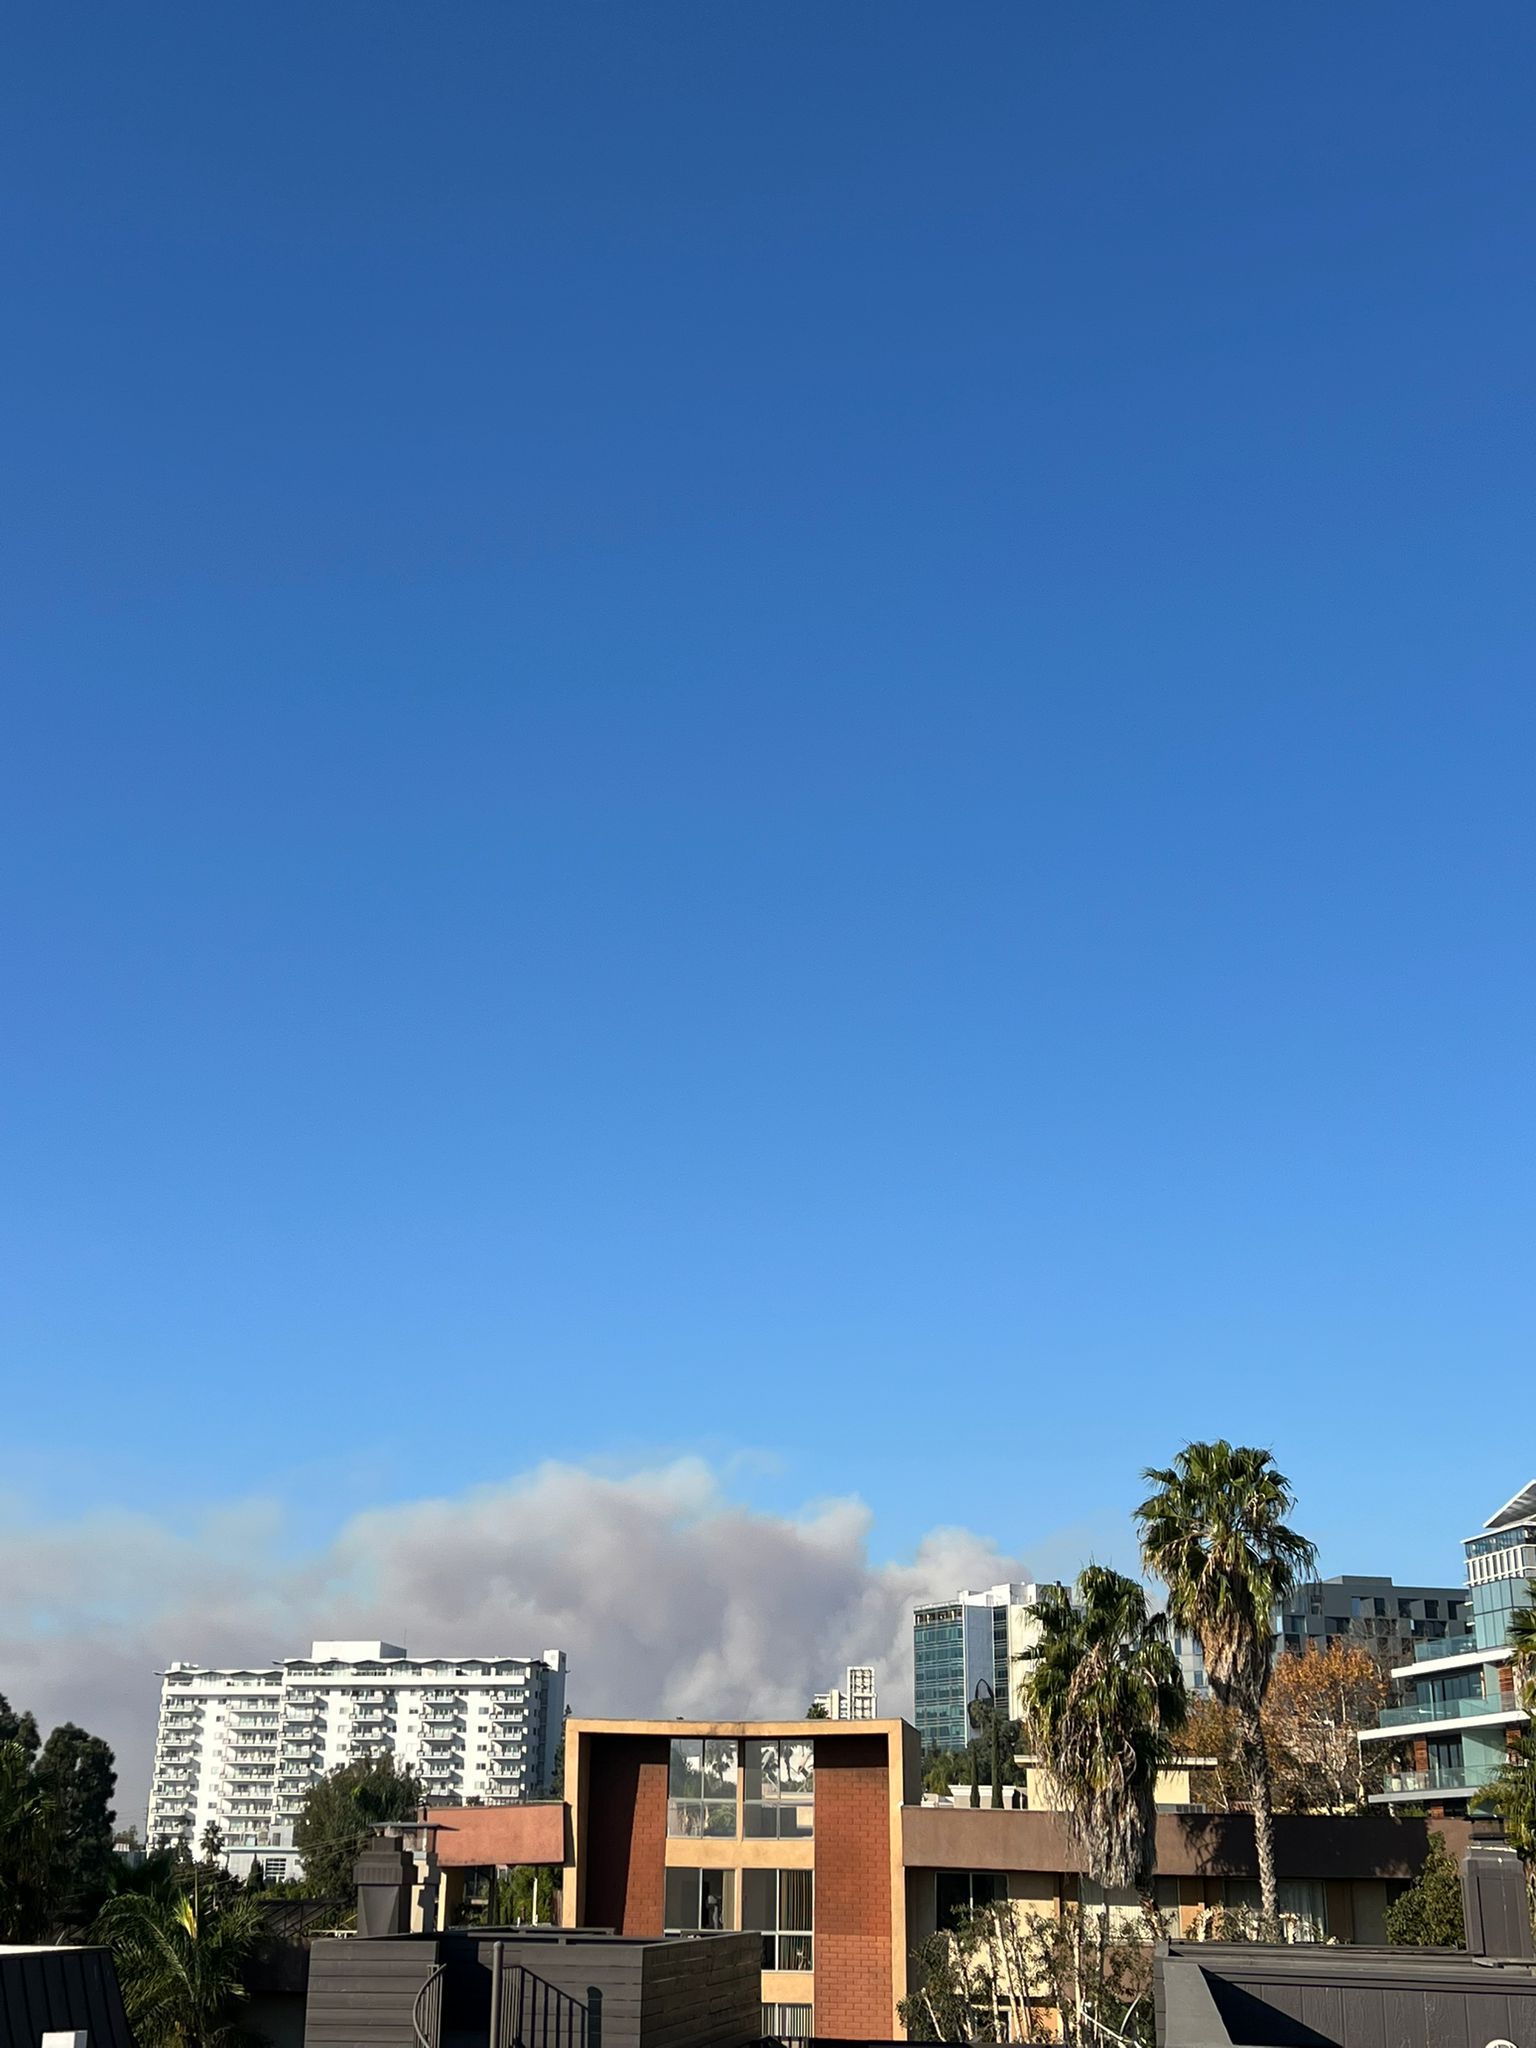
x: 1521, y: 1509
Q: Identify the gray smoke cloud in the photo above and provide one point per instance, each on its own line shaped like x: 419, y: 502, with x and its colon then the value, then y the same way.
x: 667, y: 1596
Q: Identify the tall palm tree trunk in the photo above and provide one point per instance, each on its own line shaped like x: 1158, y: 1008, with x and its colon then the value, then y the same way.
x: 1261, y: 1791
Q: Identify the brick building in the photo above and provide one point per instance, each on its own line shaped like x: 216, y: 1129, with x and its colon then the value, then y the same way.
x: 813, y: 1836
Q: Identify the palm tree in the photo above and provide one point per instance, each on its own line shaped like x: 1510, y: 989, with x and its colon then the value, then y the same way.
x: 180, y: 1962
x: 1215, y: 1533
x: 1104, y: 1699
x: 1521, y: 1636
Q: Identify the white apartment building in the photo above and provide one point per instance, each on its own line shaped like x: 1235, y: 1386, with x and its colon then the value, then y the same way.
x: 241, y: 1746
x: 857, y: 1701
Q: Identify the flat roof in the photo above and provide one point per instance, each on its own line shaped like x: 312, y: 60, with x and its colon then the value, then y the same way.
x: 586, y: 1725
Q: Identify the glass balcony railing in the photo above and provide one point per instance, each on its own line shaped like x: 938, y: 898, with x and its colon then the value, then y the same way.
x: 1448, y: 1778
x: 1444, y: 1646
x: 1448, y: 1710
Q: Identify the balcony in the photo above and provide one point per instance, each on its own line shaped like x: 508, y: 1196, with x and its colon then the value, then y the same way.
x: 1448, y: 1710
x: 1443, y: 1646
x: 1447, y: 1778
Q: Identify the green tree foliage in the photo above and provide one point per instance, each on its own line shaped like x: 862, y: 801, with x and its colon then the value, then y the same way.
x: 56, y: 1858
x: 31, y: 1851
x: 1428, y: 1914
x: 18, y: 1728
x: 211, y: 1846
x: 816, y: 1711
x: 77, y: 1774
x: 527, y: 1895
x: 1105, y: 1700
x: 1512, y: 1796
x: 1214, y: 1530
x: 557, y: 1769
x: 181, y: 1962
x: 1003, y: 1976
x: 1521, y: 1636
x: 339, y: 1815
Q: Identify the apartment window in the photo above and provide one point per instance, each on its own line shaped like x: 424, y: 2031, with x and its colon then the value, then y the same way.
x: 786, y: 2023
x: 700, y: 1901
x: 959, y: 1893
x: 777, y: 1904
x: 780, y: 1788
x: 701, y: 1786
x: 1303, y: 1905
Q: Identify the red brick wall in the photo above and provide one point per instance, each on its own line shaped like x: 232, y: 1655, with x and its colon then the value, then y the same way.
x: 853, y: 1889
x: 624, y: 1809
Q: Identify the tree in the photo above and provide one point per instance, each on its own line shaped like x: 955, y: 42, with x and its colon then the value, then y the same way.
x: 211, y: 1846
x: 994, y: 1742
x: 1521, y: 1636
x: 180, y: 1964
x: 1007, y: 1976
x: 32, y: 1874
x: 1211, y: 1744
x: 557, y: 1769
x: 1104, y: 1699
x: 1214, y: 1531
x: 1316, y: 1707
x: 18, y: 1728
x: 943, y: 1768
x: 1428, y: 1914
x: 1512, y: 1796
x: 339, y: 1816
x: 817, y: 1711
x: 528, y: 1894
x: 77, y: 1773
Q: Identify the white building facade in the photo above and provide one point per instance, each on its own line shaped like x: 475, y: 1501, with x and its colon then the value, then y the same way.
x: 855, y: 1701
x: 240, y: 1747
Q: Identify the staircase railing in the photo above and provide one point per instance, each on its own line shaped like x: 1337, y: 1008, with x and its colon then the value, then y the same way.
x: 528, y: 2012
x: 427, y: 2012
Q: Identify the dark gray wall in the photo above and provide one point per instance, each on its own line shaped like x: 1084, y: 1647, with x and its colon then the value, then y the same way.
x: 361, y: 1992
x: 61, y: 1990
x: 690, y: 1992
x: 1214, y: 1995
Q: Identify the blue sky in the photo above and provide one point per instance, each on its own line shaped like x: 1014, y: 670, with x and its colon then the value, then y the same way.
x: 801, y: 734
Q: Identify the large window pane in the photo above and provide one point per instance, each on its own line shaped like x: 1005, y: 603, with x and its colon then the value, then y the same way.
x: 798, y: 1769
x: 759, y: 1820
x: 717, y: 1899
x: 795, y: 1893
x: 759, y: 1900
x: 720, y: 1769
x: 720, y: 1817
x: 685, y: 1773
x: 762, y: 1770
x: 682, y: 1901
x: 794, y: 1952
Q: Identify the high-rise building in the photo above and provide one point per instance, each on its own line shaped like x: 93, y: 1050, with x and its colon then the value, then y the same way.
x: 1389, y: 1620
x: 240, y: 1746
x: 1452, y: 1732
x: 956, y: 1645
x: 857, y: 1701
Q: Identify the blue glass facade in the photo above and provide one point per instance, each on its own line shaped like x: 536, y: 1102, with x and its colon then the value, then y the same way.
x: 938, y: 1676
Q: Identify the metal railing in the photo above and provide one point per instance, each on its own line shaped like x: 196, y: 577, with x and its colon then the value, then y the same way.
x: 427, y: 2012
x: 528, y: 2012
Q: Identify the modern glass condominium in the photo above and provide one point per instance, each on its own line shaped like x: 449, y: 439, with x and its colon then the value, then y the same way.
x: 1452, y: 1731
x: 958, y: 1643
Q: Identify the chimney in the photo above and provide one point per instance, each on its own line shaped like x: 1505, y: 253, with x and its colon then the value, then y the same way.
x: 1494, y: 1902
